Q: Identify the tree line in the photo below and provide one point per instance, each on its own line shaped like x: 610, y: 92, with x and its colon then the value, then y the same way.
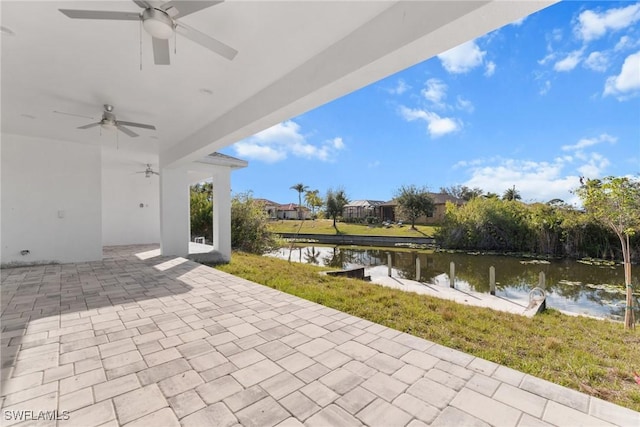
x: 485, y: 222
x: 553, y: 228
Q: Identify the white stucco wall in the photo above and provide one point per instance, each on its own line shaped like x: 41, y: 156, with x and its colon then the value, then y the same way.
x: 51, y: 202
x: 124, y: 222
x: 175, y: 222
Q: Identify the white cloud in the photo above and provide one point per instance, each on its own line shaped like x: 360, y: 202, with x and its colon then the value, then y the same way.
x: 284, y: 139
x: 401, y: 87
x: 622, y: 43
x: 436, y: 126
x: 374, y: 164
x: 264, y: 153
x: 546, y: 87
x: 596, y: 164
x: 463, y: 58
x: 464, y: 104
x: 469, y: 163
x: 588, y: 142
x: 435, y: 91
x: 540, y: 180
x: 536, y: 181
x: 569, y: 62
x: 285, y: 133
x: 597, y: 61
x: 550, y: 57
x: 553, y: 36
x: 593, y: 25
x: 490, y: 68
x: 627, y: 83
x: 519, y: 22
x: 337, y: 143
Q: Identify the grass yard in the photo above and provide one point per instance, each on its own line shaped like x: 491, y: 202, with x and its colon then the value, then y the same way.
x: 593, y: 356
x: 325, y: 226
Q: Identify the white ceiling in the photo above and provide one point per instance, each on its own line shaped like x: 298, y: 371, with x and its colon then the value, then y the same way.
x: 293, y: 56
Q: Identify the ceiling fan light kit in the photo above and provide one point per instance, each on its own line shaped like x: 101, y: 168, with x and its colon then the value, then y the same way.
x: 149, y: 172
x: 157, y: 23
x: 108, y: 122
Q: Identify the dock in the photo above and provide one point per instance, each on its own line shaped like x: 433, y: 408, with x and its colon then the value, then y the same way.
x: 441, y: 289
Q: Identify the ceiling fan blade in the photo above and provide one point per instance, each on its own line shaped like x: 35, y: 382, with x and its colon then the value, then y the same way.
x: 89, y: 125
x: 188, y: 7
x: 142, y: 4
x: 206, y: 41
x: 101, y: 14
x: 126, y: 131
x: 160, y: 51
x: 72, y: 114
x: 137, y: 125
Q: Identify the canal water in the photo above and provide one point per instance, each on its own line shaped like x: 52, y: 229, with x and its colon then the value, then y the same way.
x: 573, y: 286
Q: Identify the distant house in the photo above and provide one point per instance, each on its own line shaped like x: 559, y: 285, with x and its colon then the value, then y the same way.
x: 440, y: 200
x: 290, y: 211
x: 361, y: 209
x: 389, y: 211
x: 270, y: 208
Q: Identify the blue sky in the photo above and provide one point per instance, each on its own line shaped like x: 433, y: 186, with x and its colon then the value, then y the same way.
x: 535, y: 104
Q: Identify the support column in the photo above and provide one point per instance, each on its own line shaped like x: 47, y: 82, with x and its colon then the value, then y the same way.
x: 174, y: 212
x: 222, y: 212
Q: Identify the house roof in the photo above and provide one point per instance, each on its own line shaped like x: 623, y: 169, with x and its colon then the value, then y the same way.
x: 364, y: 203
x: 266, y: 202
x: 441, y: 199
x: 220, y: 159
x: 438, y: 199
x: 290, y: 207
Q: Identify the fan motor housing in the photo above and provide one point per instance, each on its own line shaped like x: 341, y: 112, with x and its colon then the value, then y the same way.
x: 109, y: 118
x: 157, y: 23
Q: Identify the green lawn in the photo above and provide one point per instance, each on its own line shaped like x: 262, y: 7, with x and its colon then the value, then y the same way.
x: 593, y: 356
x: 325, y: 226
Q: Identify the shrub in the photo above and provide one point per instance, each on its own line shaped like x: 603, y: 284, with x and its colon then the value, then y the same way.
x: 202, y: 211
x: 249, y: 226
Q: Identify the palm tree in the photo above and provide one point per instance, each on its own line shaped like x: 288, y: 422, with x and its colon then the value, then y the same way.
x: 300, y: 188
x: 313, y: 200
x: 511, y: 194
x: 335, y: 202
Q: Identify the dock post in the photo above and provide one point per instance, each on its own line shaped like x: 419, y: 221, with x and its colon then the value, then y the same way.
x: 541, y: 280
x: 492, y: 280
x: 417, y: 269
x: 452, y: 274
x: 389, y: 263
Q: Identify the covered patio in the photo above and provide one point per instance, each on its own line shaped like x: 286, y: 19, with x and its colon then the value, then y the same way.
x: 112, y: 108
x: 141, y: 339
x: 104, y: 318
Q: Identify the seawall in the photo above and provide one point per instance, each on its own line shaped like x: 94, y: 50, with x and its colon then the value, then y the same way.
x: 339, y: 239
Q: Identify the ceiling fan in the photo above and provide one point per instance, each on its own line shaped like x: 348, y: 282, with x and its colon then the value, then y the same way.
x: 149, y: 172
x: 160, y: 20
x: 109, y: 121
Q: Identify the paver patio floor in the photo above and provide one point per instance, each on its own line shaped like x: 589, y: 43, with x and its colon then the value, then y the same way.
x: 144, y: 340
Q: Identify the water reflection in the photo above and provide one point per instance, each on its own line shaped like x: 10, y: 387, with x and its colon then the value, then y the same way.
x: 571, y: 286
